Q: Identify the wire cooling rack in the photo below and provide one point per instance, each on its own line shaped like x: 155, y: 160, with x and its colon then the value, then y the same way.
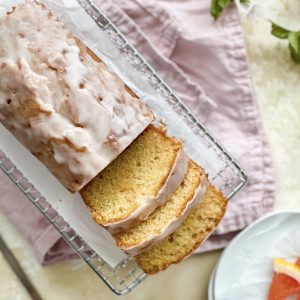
x: 229, y: 179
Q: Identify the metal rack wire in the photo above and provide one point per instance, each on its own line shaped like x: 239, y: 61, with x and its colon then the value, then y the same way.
x: 230, y: 178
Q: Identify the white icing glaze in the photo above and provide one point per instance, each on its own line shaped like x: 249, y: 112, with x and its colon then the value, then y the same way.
x: 174, y: 223
x: 70, y: 111
x: 149, y: 204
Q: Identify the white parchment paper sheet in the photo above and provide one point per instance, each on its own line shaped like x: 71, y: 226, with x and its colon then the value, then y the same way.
x: 71, y: 207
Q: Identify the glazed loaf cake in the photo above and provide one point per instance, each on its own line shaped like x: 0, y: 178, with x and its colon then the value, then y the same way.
x: 59, y: 100
x: 77, y: 117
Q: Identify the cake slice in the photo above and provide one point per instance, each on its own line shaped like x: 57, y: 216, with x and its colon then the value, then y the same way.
x: 193, y: 231
x: 167, y: 218
x: 142, y: 178
x: 62, y: 103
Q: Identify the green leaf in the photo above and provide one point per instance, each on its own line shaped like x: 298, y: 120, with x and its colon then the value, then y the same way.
x: 217, y: 7
x: 294, y: 45
x: 279, y: 31
x: 292, y: 36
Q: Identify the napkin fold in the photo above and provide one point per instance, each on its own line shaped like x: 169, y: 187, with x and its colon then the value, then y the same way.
x: 205, y: 62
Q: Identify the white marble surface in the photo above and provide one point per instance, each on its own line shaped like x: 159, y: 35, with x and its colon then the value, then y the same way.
x: 276, y: 80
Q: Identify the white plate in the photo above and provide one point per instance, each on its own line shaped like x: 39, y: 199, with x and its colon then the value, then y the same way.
x: 244, y: 270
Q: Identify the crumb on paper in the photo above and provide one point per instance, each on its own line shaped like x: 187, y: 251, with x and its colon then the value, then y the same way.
x: 163, y: 125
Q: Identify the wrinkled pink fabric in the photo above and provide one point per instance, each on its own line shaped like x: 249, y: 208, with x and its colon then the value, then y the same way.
x: 205, y: 62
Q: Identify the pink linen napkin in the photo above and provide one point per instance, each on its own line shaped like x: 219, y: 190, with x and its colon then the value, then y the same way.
x: 201, y: 60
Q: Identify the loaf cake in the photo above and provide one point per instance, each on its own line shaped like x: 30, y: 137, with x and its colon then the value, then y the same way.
x: 139, y: 180
x: 65, y: 106
x: 193, y: 231
x: 167, y: 218
x: 92, y: 132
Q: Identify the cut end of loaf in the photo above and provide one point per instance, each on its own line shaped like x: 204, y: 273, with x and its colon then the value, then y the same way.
x: 196, y: 228
x: 136, y: 174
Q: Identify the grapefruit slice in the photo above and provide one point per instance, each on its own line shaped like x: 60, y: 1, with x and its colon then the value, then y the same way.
x: 283, y: 286
x: 285, y: 267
